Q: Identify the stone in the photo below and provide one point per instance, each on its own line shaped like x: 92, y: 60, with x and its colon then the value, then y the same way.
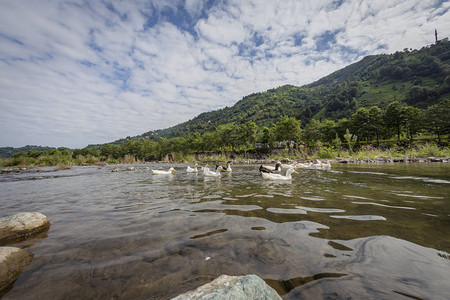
x: 13, y: 261
x: 232, y: 287
x: 20, y: 226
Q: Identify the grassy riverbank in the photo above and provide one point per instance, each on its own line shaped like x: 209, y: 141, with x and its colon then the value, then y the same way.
x: 66, y: 160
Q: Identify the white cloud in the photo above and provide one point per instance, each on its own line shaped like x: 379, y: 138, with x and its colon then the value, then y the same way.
x: 76, y: 73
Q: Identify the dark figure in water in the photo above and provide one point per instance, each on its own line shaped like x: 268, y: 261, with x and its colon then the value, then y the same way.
x: 227, y: 167
x: 270, y: 170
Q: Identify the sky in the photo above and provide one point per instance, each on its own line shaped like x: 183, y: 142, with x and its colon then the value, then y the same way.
x: 74, y: 73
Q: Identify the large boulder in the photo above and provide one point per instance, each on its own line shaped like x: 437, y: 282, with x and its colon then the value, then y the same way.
x: 21, y: 226
x: 232, y: 287
x: 12, y: 262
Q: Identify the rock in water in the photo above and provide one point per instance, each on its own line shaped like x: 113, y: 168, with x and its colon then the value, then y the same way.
x: 232, y: 287
x: 12, y: 262
x: 21, y: 226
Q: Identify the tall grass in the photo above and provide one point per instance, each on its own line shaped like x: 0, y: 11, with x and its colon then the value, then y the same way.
x: 428, y: 150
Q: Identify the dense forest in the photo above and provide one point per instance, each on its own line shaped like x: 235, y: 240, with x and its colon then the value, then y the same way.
x: 396, y: 101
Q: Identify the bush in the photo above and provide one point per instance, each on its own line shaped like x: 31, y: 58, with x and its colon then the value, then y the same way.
x: 429, y: 150
x: 326, y: 153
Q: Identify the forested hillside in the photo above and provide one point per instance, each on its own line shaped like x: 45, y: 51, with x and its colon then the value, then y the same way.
x: 418, y: 78
x: 8, y: 151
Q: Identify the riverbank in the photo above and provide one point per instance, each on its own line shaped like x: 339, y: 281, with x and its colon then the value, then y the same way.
x: 61, y: 161
x: 242, y: 161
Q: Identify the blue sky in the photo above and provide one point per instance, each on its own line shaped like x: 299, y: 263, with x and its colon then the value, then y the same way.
x: 74, y: 73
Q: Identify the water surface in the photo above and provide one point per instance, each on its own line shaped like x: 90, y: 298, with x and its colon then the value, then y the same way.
x: 357, y: 231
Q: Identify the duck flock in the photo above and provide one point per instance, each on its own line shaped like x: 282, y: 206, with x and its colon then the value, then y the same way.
x: 267, y: 172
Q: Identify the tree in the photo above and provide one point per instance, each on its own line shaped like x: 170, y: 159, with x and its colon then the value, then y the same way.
x: 150, y: 149
x: 341, y: 126
x: 287, y: 129
x: 248, y: 135
x: 229, y: 135
x: 195, y: 142
x: 211, y: 141
x: 376, y: 122
x: 413, y: 120
x: 351, y: 140
x: 267, y: 136
x: 360, y: 123
x: 437, y: 118
x: 132, y: 147
x: 109, y: 151
x: 394, y: 118
x: 327, y: 131
x: 312, y: 132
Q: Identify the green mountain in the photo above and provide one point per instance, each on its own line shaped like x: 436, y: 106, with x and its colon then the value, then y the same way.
x: 6, y: 152
x: 418, y: 78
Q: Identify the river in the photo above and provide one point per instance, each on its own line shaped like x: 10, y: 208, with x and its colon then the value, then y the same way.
x: 373, y: 231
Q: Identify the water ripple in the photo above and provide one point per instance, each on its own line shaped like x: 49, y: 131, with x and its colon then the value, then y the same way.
x: 321, y: 210
x: 384, y: 205
x: 286, y: 210
x: 361, y: 218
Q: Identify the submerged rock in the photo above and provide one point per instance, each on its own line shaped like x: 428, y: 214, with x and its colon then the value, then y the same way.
x: 21, y: 226
x: 12, y: 262
x: 232, y: 287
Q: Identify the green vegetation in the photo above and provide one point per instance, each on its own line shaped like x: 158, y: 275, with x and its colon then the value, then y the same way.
x: 384, y: 105
x: 397, y: 131
x: 6, y: 152
x: 417, y: 78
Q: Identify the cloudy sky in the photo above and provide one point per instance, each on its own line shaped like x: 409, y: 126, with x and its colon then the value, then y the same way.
x: 74, y: 73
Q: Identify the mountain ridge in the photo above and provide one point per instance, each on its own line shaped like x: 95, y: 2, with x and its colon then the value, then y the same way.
x: 418, y: 78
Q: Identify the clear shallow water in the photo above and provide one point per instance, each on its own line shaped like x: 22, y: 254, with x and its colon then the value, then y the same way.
x: 359, y: 231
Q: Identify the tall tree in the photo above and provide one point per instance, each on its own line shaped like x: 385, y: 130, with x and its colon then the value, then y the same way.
x: 413, y: 120
x: 394, y: 118
x: 360, y: 123
x: 287, y: 129
x: 311, y: 132
x: 327, y: 131
x: 376, y: 122
x: 437, y: 118
x: 267, y: 136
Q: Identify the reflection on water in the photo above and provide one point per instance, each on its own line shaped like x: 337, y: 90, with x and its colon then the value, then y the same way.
x: 358, y: 231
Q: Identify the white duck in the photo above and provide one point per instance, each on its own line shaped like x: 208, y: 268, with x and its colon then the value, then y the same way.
x: 291, y: 166
x: 228, y: 166
x: 321, y: 166
x: 207, y: 172
x: 192, y: 170
x: 162, y: 172
x: 304, y: 166
x: 271, y: 176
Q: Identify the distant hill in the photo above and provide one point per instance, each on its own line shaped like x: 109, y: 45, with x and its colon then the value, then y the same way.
x: 417, y: 78
x: 6, y: 152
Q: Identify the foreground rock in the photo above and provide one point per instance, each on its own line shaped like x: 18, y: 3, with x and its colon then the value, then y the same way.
x: 232, y: 287
x: 12, y: 262
x: 21, y: 226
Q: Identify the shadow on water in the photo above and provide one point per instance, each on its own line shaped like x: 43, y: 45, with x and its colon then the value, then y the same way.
x: 368, y: 231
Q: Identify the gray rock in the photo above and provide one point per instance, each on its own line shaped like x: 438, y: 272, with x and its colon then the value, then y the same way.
x: 232, y: 287
x: 12, y: 262
x: 21, y: 226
